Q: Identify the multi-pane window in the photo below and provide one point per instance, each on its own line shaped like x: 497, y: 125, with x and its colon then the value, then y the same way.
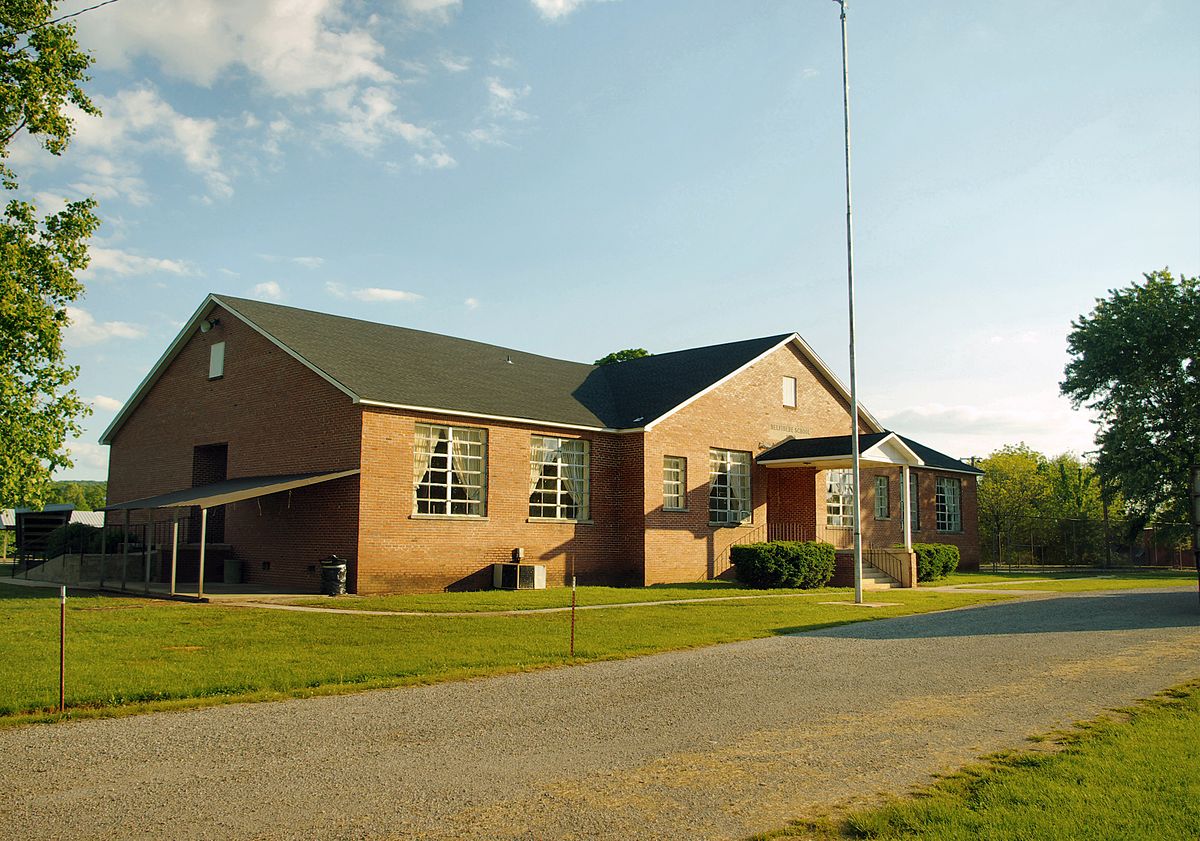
x: 728, y: 486
x: 839, y: 497
x: 789, y: 391
x: 949, y: 504
x: 559, y: 478
x: 674, y: 483
x: 882, y: 503
x: 914, y: 501
x: 450, y: 470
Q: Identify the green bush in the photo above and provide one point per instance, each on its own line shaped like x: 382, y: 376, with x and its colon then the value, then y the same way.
x: 935, y: 560
x: 784, y: 564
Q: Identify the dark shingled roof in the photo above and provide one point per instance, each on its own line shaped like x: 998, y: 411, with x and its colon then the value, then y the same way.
x: 840, y: 445
x: 398, y: 365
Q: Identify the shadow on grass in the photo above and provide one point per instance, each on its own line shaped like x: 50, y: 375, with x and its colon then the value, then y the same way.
x: 1108, y: 612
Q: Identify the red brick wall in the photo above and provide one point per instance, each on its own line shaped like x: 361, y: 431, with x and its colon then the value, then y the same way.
x: 745, y: 413
x: 277, y: 417
x: 403, y: 551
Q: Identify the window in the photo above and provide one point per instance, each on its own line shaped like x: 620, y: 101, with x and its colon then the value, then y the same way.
x: 450, y: 470
x: 914, y: 501
x: 949, y: 504
x: 216, y: 360
x: 883, y: 489
x: 559, y: 478
x: 839, y: 497
x: 728, y: 486
x: 674, y: 483
x: 789, y: 391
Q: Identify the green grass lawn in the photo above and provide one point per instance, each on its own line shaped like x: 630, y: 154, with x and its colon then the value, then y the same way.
x: 131, y: 655
x: 492, y: 600
x: 1122, y: 779
x: 1074, y: 581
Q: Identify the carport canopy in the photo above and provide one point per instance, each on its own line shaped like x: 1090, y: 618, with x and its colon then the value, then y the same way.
x: 230, y: 490
x: 877, y: 449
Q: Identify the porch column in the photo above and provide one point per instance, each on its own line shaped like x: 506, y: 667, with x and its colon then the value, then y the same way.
x: 907, y: 506
x: 203, y: 538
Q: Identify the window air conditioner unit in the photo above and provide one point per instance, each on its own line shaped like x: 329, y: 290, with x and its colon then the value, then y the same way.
x: 519, y: 576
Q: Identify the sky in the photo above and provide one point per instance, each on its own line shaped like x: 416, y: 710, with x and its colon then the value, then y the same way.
x: 573, y: 177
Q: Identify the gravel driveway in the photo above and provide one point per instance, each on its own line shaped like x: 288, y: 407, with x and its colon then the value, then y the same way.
x: 714, y: 743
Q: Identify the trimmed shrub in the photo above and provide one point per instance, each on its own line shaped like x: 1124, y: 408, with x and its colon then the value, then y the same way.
x: 935, y: 560
x: 804, y: 565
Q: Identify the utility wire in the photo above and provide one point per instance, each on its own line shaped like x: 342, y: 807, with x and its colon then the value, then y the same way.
x: 68, y: 17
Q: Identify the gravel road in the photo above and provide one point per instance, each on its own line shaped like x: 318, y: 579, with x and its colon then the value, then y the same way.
x: 714, y: 743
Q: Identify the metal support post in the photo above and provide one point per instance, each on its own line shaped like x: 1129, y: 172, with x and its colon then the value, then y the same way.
x: 203, y: 539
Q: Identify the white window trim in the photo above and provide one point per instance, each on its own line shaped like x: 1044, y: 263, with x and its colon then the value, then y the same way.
x: 948, y: 507
x: 471, y: 435
x: 883, y: 500
x: 216, y: 360
x: 679, y: 482
x: 582, y: 497
x: 789, y: 392
x: 841, y: 500
x: 723, y: 463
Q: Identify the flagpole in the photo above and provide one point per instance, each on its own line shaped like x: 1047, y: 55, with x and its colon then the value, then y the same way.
x: 854, y: 445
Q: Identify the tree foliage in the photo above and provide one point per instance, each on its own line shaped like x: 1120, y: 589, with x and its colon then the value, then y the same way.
x: 41, y: 72
x: 1136, y: 362
x: 623, y: 356
x: 85, y: 496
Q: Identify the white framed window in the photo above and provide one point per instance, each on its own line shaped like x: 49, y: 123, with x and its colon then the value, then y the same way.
x: 914, y: 501
x: 949, y: 504
x: 674, y: 483
x: 883, y: 490
x: 450, y: 470
x: 789, y: 391
x: 559, y: 478
x: 728, y: 486
x: 216, y: 360
x: 839, y: 497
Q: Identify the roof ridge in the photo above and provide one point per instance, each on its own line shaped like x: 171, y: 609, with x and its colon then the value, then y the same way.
x: 226, y: 299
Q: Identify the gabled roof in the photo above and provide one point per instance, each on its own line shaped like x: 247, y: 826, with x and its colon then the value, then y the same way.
x: 385, y: 365
x: 837, y: 448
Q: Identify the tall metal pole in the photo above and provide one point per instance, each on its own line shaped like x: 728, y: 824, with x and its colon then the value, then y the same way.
x: 854, y: 449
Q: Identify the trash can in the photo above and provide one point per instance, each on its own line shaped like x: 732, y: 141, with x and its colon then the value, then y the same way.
x: 333, y: 576
x: 233, y: 571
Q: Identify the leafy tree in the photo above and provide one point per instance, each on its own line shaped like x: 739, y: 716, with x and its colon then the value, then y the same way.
x: 1136, y: 362
x: 623, y: 356
x: 41, y: 72
x: 85, y: 496
x: 1013, y: 490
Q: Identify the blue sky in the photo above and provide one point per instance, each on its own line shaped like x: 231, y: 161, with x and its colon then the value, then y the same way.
x: 572, y: 177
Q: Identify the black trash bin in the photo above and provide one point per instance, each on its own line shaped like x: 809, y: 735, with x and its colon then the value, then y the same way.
x: 333, y: 576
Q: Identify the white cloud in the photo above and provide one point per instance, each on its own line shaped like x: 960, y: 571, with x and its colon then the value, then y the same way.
x: 303, y: 262
x: 556, y: 9
x: 335, y: 289
x: 291, y: 47
x: 90, y: 459
x: 85, y: 330
x: 119, y: 262
x: 375, y: 293
x: 108, y: 404
x: 471, y: 303
x: 437, y: 11
x: 435, y: 160
x: 138, y: 120
x: 367, y: 118
x: 454, y: 63
x: 268, y: 290
x: 502, y: 100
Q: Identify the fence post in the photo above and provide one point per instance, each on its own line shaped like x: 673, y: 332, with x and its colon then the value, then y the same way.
x: 62, y: 650
x: 1196, y: 522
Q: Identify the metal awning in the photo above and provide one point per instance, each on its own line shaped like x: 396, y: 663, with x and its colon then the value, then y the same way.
x: 878, y: 449
x: 230, y: 490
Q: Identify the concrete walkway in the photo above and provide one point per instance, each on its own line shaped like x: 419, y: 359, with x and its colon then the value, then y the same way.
x: 718, y: 742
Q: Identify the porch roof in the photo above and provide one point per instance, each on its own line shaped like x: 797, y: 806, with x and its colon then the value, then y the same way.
x: 876, y: 449
x: 230, y: 490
